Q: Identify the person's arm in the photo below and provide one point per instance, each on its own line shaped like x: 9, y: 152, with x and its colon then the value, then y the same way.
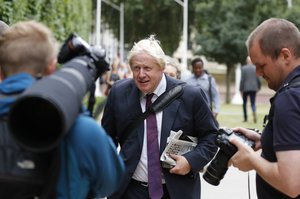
x: 203, y: 126
x: 98, y: 157
x: 282, y: 175
x: 108, y: 80
x: 242, y: 81
x: 108, y: 121
x: 216, y: 97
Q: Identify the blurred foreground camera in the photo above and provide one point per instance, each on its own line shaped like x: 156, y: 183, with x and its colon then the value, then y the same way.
x: 44, y: 113
x: 75, y: 46
x: 219, y: 165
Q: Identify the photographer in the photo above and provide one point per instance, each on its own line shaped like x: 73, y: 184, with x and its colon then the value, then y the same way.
x: 89, y: 162
x: 278, y: 62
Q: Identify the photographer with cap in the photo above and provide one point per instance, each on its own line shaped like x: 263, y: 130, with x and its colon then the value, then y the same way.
x: 88, y: 160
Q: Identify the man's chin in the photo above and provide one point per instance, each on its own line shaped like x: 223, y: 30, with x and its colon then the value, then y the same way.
x: 143, y: 89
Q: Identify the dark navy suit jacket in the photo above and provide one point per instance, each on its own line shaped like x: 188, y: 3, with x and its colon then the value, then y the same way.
x: 189, y: 113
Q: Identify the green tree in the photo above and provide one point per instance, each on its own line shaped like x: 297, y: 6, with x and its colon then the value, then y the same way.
x: 222, y: 27
x: 145, y: 17
x: 61, y: 16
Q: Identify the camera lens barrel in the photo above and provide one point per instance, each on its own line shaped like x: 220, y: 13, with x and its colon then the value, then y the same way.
x: 219, y: 165
x: 217, y: 168
x: 44, y: 113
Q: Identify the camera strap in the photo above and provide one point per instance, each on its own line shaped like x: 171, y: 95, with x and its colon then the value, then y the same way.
x: 249, y: 190
x: 92, y: 100
x: 158, y: 105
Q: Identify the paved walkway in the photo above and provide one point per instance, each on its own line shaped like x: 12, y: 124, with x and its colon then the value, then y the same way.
x: 234, y: 185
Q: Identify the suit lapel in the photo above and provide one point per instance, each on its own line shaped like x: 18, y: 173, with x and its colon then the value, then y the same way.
x: 133, y: 102
x: 167, y: 122
x: 168, y: 116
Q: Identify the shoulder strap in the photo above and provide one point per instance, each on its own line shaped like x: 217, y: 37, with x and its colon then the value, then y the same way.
x: 160, y: 103
x: 210, y: 92
x: 49, y: 189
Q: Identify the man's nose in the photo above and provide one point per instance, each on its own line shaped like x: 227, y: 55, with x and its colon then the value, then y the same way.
x: 142, y: 72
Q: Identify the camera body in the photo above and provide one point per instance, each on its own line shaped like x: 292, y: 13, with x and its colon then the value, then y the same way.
x: 75, y: 46
x: 219, y: 165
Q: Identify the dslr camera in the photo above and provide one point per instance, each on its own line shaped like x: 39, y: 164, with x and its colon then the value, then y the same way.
x: 45, y: 112
x: 75, y: 46
x: 219, y: 165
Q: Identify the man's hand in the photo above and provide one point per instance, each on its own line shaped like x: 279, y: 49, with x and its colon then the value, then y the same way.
x: 182, y: 165
x: 243, y: 158
x: 252, y: 135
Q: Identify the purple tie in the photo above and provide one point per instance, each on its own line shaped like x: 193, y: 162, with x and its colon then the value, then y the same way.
x: 154, y: 168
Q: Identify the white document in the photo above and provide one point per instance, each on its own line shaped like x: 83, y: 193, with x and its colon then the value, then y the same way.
x: 177, y: 147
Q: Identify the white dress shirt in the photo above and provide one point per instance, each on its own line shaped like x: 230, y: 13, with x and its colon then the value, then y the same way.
x: 141, y: 172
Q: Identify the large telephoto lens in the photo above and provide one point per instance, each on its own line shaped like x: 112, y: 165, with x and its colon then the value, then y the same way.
x: 217, y: 168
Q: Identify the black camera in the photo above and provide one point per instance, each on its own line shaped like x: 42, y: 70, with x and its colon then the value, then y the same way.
x: 219, y: 165
x: 45, y: 112
x: 75, y: 46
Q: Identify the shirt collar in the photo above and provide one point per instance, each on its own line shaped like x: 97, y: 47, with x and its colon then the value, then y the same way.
x: 292, y: 75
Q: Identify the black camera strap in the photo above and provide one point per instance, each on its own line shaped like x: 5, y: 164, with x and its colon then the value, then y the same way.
x: 159, y: 104
x: 91, y: 100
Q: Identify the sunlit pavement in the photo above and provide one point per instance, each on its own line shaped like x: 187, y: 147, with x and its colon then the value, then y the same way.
x: 234, y: 185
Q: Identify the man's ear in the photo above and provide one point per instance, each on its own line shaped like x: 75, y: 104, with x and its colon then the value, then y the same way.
x: 51, y: 67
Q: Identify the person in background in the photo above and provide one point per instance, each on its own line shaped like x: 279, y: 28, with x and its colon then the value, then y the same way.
x: 125, y: 71
x: 207, y: 83
x: 278, y: 63
x: 112, y: 75
x: 172, y: 67
x: 89, y: 161
x: 144, y: 144
x: 249, y: 85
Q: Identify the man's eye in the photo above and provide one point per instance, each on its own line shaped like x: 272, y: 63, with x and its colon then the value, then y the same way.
x: 136, y: 69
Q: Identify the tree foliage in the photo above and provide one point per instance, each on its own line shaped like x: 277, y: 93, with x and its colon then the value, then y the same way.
x: 219, y: 27
x: 222, y: 27
x: 61, y: 16
x: 146, y: 17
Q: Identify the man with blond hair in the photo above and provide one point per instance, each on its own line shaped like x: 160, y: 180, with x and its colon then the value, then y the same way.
x: 144, y: 144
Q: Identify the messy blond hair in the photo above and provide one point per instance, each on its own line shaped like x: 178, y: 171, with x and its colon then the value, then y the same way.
x: 152, y: 47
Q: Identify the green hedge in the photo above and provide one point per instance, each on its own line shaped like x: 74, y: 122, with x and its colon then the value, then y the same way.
x: 61, y: 16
